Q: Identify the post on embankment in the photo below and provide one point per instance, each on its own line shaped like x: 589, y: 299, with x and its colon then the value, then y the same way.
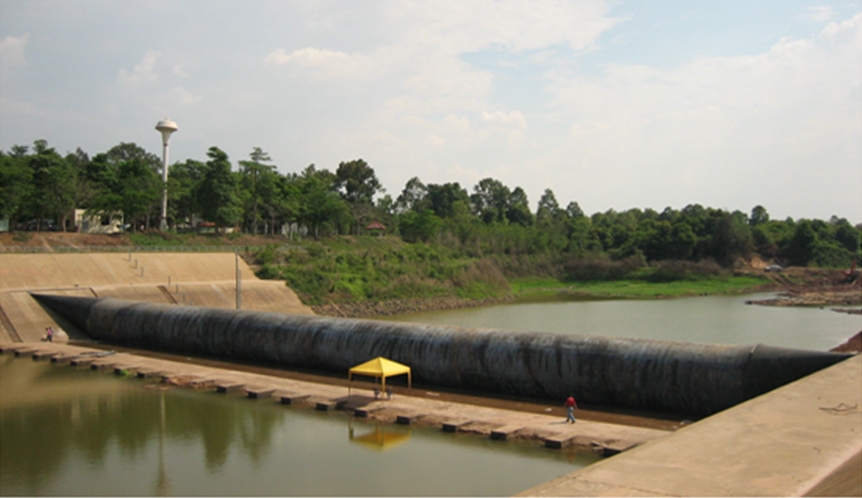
x: 238, y: 282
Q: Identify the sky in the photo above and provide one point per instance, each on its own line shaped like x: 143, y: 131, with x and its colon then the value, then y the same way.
x: 612, y: 104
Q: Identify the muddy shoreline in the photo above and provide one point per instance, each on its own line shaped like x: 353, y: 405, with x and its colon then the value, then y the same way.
x: 371, y: 309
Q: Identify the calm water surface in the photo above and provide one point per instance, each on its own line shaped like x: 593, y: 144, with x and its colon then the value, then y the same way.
x: 712, y: 319
x: 67, y: 431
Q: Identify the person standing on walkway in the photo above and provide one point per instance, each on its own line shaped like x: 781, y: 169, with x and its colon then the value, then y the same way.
x: 570, y: 405
x: 50, y: 335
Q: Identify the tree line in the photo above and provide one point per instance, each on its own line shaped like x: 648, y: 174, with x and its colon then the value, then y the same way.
x: 37, y: 184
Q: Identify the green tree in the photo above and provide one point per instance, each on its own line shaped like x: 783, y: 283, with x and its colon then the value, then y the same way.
x: 16, y: 186
x: 422, y: 225
x: 217, y: 192
x: 358, y: 184
x: 573, y: 210
x: 518, y: 210
x: 412, y: 197
x: 126, y: 179
x: 731, y: 239
x: 53, y: 188
x: 184, y: 181
x: 357, y: 181
x: 490, y: 200
x: 257, y: 182
x: 758, y: 216
x: 441, y: 199
x: 549, y: 208
x: 320, y: 203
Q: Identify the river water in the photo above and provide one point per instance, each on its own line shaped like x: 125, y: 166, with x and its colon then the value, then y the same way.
x: 75, y: 432
x: 68, y: 431
x: 709, y: 319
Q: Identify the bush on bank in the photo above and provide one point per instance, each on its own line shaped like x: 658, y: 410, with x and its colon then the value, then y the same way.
x: 372, y: 269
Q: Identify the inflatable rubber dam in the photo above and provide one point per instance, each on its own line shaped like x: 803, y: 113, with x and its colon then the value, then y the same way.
x: 684, y: 378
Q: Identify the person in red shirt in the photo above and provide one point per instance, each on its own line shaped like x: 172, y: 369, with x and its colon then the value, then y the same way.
x: 571, y: 405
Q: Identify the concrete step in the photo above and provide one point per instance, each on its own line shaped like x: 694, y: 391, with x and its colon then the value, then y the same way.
x: 505, y: 432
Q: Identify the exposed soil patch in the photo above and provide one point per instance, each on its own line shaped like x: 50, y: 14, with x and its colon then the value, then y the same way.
x: 853, y: 345
x: 400, y: 306
x: 82, y: 241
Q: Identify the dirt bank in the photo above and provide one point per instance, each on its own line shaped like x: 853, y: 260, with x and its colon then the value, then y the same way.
x: 853, y: 345
x: 368, y: 309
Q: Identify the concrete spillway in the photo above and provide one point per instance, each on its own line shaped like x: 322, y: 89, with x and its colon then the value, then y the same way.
x: 685, y: 378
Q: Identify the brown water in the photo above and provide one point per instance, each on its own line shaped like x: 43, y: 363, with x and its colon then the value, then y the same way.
x: 68, y: 431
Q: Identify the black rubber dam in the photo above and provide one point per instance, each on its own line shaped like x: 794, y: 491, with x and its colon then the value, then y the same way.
x: 684, y: 378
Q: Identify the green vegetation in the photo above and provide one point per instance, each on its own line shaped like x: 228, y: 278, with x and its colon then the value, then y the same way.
x: 350, y: 269
x: 372, y: 268
x: 644, y: 289
x: 440, y: 239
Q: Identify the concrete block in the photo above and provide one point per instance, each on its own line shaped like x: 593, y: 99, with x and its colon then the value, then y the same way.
x: 101, y: 365
x: 61, y: 358
x: 82, y: 361
x: 364, y: 412
x: 612, y: 448
x: 325, y: 405
x: 408, y: 418
x: 292, y: 398
x: 259, y: 392
x: 229, y: 387
x: 146, y: 373
x: 454, y: 425
x: 505, y: 432
x: 43, y: 355
x: 559, y: 441
x: 122, y: 369
x: 24, y: 351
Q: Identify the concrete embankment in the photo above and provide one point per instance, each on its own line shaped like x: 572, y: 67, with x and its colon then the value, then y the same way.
x: 802, y: 439
x: 202, y: 279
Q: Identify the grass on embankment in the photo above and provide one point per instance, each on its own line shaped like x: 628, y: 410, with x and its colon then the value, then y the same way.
x: 638, y: 289
x: 371, y: 269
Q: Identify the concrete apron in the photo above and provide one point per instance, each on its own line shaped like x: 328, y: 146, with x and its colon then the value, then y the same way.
x: 803, y: 438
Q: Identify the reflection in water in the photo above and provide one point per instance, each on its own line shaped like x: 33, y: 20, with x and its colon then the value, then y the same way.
x: 58, y: 412
x: 68, y: 431
x: 382, y: 438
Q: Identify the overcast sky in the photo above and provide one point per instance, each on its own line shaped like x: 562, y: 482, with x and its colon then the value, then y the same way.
x: 615, y: 105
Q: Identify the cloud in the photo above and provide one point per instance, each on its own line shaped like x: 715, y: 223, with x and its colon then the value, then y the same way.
x: 721, y: 125
x: 143, y: 73
x: 459, y: 27
x: 319, y: 62
x: 514, y: 119
x: 12, y: 52
x: 820, y: 13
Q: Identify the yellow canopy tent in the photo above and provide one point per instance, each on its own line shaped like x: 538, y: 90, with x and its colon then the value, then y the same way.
x: 380, y: 368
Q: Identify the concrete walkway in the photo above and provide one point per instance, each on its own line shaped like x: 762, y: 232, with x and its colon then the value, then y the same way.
x: 802, y: 439
x: 496, y: 423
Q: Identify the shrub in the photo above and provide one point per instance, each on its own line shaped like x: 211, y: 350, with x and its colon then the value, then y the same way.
x: 268, y: 272
x: 673, y: 270
x: 601, y: 268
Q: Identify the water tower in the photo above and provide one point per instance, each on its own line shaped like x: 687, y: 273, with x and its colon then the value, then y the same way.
x: 166, y: 127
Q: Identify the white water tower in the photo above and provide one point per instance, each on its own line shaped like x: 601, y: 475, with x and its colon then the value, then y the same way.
x: 166, y: 127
